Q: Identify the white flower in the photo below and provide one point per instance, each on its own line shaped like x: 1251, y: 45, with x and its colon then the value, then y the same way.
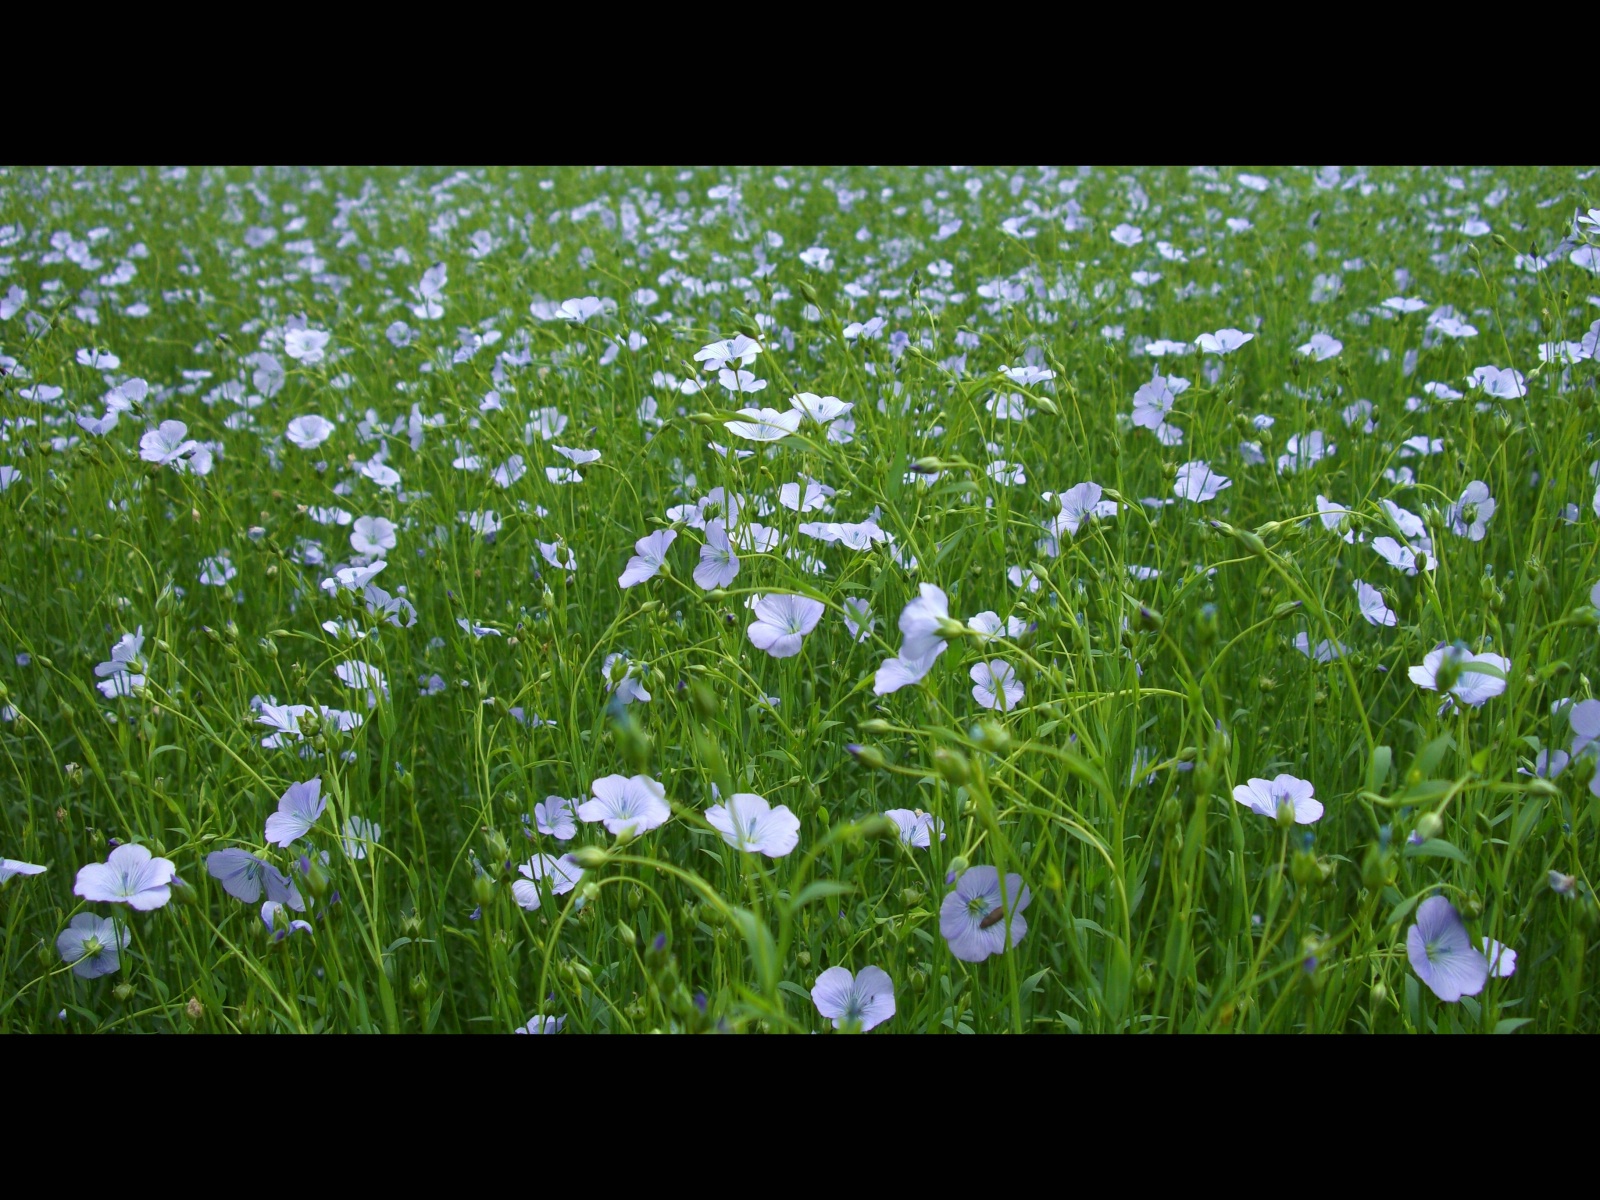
x: 563, y: 874
x: 1504, y: 384
x: 1473, y: 685
x: 718, y: 563
x: 305, y: 345
x: 1322, y: 347
x: 995, y: 685
x: 1372, y: 604
x: 1469, y: 516
x: 620, y: 675
x: 820, y: 409
x: 921, y: 625
x: 309, y: 432
x: 1223, y: 341
x: 782, y: 622
x: 747, y: 822
x: 372, y: 536
x: 166, y: 444
x: 635, y: 805
x: 1265, y: 796
x: 1196, y: 482
x: 740, y: 381
x: 650, y: 553
x: 766, y: 424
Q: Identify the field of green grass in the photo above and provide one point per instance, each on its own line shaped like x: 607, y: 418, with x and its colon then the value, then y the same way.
x: 904, y: 600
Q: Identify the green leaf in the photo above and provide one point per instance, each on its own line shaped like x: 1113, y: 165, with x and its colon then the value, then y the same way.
x: 794, y: 989
x: 1511, y: 1024
x: 819, y: 890
x: 1437, y: 848
x: 1119, y: 978
x: 1032, y: 981
x: 1432, y: 755
x: 1378, y: 768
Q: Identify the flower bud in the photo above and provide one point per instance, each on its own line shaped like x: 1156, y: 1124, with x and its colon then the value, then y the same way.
x: 123, y: 991
x: 957, y: 868
x: 876, y: 725
x: 626, y: 933
x: 991, y: 736
x: 880, y: 828
x: 1206, y: 624
x: 1429, y: 826
x: 1285, y: 815
x: 868, y: 756
x: 952, y: 766
x: 1304, y: 864
x: 1144, y: 980
x: 317, y: 877
x: 590, y: 858
x: 483, y: 889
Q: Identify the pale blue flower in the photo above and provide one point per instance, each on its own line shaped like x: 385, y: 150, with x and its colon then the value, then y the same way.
x: 968, y: 917
x: 298, y: 810
x: 92, y: 944
x: 130, y: 875
x: 1442, y: 954
x: 243, y: 876
x: 867, y: 998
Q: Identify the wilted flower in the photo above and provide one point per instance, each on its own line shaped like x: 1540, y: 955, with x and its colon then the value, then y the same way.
x: 867, y: 998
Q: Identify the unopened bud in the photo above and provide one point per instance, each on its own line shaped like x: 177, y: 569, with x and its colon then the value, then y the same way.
x: 952, y: 765
x: 590, y: 858
x: 868, y: 756
x: 1429, y: 826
